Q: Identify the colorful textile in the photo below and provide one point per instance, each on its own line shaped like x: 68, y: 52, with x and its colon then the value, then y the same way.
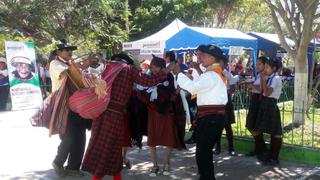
x: 104, y: 152
x: 86, y: 102
x: 217, y: 69
x: 53, y: 113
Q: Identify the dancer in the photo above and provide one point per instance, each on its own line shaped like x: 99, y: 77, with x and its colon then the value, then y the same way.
x: 212, y: 97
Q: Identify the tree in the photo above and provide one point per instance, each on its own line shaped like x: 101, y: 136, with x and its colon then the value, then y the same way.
x: 301, y: 21
x: 220, y: 11
x: 153, y: 15
x: 97, y: 24
x: 251, y: 15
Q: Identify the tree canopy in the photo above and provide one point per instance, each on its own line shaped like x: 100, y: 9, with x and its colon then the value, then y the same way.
x: 104, y: 24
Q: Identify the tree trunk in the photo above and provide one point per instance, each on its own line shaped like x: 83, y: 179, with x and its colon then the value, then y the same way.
x: 301, y: 84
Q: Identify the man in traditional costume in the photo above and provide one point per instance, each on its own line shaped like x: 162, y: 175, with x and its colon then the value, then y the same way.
x: 70, y: 125
x: 212, y: 97
x: 104, y: 153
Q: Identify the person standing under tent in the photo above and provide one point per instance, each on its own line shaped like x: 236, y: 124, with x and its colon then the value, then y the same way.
x: 170, y: 58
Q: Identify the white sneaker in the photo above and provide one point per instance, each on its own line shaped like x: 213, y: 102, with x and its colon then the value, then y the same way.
x: 154, y: 171
x: 166, y: 170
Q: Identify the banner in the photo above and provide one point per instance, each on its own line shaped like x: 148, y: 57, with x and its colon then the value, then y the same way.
x: 145, y: 47
x: 23, y: 75
x: 236, y: 50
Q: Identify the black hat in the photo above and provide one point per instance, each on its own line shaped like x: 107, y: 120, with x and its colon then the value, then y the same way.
x: 225, y: 58
x: 158, y: 62
x: 65, y: 45
x: 123, y: 56
x: 211, y: 50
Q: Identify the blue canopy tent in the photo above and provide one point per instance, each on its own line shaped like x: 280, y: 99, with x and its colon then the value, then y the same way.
x: 189, y: 38
x: 270, y: 44
x: 181, y: 37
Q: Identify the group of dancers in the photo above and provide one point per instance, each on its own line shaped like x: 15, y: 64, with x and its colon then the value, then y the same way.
x: 153, y: 103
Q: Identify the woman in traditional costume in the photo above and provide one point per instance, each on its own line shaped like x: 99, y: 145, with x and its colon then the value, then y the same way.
x: 166, y: 118
x: 104, y: 152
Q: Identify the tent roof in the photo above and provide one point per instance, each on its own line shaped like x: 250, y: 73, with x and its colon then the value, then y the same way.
x: 272, y: 37
x: 223, y: 33
x: 218, y: 37
x: 166, y: 33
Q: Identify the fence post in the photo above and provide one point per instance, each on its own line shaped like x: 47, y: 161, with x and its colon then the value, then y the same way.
x: 302, y: 128
x: 292, y: 122
x: 312, y: 140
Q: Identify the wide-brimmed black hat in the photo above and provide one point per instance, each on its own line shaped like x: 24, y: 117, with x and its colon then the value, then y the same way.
x: 123, y: 56
x: 64, y: 44
x: 212, y: 50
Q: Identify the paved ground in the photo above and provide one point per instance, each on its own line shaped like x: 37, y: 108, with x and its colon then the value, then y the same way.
x: 27, y: 152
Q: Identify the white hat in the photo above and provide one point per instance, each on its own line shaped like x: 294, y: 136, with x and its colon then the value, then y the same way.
x: 2, y: 59
x: 20, y: 59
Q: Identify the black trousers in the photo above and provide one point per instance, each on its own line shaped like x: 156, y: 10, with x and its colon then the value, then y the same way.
x: 208, y: 132
x: 73, y: 142
x: 4, y: 94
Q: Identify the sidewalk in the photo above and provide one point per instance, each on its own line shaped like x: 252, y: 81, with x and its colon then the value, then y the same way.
x: 27, y: 152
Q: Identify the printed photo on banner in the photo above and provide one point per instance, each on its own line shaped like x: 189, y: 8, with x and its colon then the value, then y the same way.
x: 23, y: 75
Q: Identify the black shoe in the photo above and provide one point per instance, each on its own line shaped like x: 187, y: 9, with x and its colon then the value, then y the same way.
x: 252, y: 153
x: 271, y: 162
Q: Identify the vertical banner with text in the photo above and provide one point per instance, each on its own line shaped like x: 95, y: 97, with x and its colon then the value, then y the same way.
x: 23, y: 75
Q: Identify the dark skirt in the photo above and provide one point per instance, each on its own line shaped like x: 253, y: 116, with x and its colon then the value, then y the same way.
x: 269, y: 119
x: 229, y: 116
x: 253, y: 111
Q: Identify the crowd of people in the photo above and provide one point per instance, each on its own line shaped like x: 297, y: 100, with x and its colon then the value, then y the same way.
x: 155, y: 99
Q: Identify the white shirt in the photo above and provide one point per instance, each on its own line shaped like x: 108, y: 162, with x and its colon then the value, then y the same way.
x: 232, y: 80
x: 97, y: 70
x: 195, y: 74
x: 256, y: 83
x: 275, y: 83
x: 4, y: 72
x: 209, y: 88
x: 55, y: 70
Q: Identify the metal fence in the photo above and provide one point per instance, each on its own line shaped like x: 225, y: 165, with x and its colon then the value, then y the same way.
x: 303, y: 133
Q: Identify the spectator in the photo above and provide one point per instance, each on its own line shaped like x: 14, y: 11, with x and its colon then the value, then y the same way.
x: 169, y: 57
x: 4, y: 84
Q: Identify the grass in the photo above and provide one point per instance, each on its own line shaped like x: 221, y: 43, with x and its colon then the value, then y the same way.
x: 306, y: 135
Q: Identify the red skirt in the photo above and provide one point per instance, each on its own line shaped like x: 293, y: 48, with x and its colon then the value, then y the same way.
x: 126, y: 134
x: 161, y: 129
